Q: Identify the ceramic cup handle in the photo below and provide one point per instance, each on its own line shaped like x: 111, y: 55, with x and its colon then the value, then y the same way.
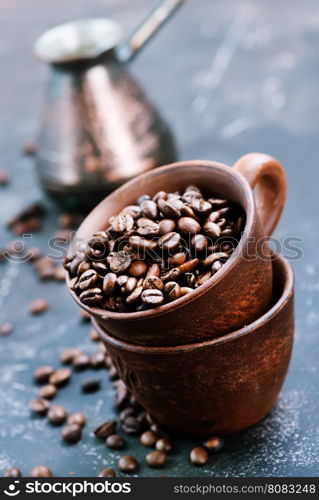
x: 267, y: 177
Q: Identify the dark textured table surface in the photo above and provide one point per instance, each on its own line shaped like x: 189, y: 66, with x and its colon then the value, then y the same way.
x: 231, y: 77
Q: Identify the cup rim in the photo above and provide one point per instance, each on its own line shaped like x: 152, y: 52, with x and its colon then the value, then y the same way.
x: 286, y: 294
x: 214, y: 280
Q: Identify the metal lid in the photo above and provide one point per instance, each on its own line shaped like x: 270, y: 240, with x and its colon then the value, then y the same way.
x: 78, y: 40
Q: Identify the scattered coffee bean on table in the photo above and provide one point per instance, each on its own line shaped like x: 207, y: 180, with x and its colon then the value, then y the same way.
x: 106, y: 429
x: 38, y: 306
x: 77, y: 419
x: 214, y: 443
x: 5, y: 329
x: 69, y: 355
x: 164, y: 444
x: 115, y: 441
x: 97, y: 360
x: 48, y: 391
x: 60, y: 377
x: 4, y: 177
x: 72, y: 433
x: 13, y: 472
x: 107, y: 473
x: 29, y: 149
x: 128, y: 463
x: 198, y: 456
x: 148, y: 438
x: 94, y: 336
x: 41, y: 471
x: 42, y: 374
x: 156, y: 251
x: 156, y: 458
x: 39, y: 406
x: 91, y: 385
x: 57, y: 415
x: 81, y: 361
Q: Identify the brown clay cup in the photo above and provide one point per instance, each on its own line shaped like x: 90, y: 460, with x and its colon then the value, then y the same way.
x: 235, y: 296
x: 220, y: 386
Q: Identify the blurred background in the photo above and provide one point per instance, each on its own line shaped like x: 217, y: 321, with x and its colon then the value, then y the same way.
x: 229, y: 77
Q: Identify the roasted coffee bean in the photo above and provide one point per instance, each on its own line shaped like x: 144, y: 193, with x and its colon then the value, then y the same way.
x: 42, y: 374
x: 77, y: 419
x: 13, y: 472
x: 127, y: 412
x: 169, y: 242
x: 57, y: 415
x: 188, y: 266
x: 38, y: 306
x: 147, y: 227
x: 133, y: 210
x: 5, y: 329
x: 94, y: 336
x: 218, y: 203
x: 185, y: 290
x: 92, y: 297
x: 149, y: 209
x: 164, y: 444
x: 213, y: 257
x: 201, y: 207
x: 188, y: 279
x: 130, y: 285
x: 156, y: 458
x: 142, y: 244
x: 199, y: 243
x: 187, y: 225
x: 106, y: 429
x: 59, y: 273
x: 214, y: 443
x: 122, y: 223
x: 67, y: 221
x: 212, y: 230
x: 48, y: 391
x: 97, y: 360
x: 148, y: 438
x: 203, y: 278
x: 199, y: 456
x: 109, y: 283
x: 172, y: 291
x: 152, y: 298
x: 60, y: 377
x: 115, y: 442
x: 142, y: 198
x: 153, y: 270
x: 171, y: 275
x: 121, y: 280
x: 137, y: 269
x: 166, y: 226
x: 81, y: 361
x: 68, y: 355
x: 4, y: 177
x: 84, y: 315
x: 168, y: 210
x: 72, y: 433
x: 87, y: 279
x: 100, y: 268
x: 83, y: 267
x: 177, y: 259
x: 160, y: 195
x: 216, y: 266
x: 107, y: 473
x: 39, y: 406
x: 29, y: 148
x: 41, y: 471
x: 119, y: 261
x: 131, y: 425
x: 153, y: 283
x: 158, y: 430
x: 91, y: 385
x: 128, y: 463
x: 134, y: 296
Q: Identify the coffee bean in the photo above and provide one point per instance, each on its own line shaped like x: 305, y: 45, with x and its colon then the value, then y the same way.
x: 97, y: 360
x: 164, y: 444
x: 57, y: 415
x: 152, y: 298
x: 133, y: 210
x: 166, y: 226
x: 67, y: 221
x: 5, y: 329
x: 42, y: 373
x: 72, y: 433
x: 201, y: 207
x: 77, y: 419
x: 92, y: 297
x: 153, y: 270
x: 128, y: 463
x: 169, y: 242
x: 60, y: 377
x: 188, y: 266
x: 172, y: 290
x: 13, y: 472
x: 100, y: 268
x: 185, y: 290
x: 149, y: 209
x: 84, y: 315
x: 91, y: 385
x: 106, y: 429
x: 155, y: 427
x: 168, y: 210
x: 199, y: 243
x: 156, y: 458
x: 203, y: 278
x: 188, y: 279
x: 87, y: 279
x: 147, y: 227
x: 142, y: 198
x: 94, y: 336
x: 122, y: 223
x: 41, y: 471
x: 119, y: 261
x: 134, y: 296
x: 177, y: 259
x: 218, y: 203
x: 4, y: 177
x: 29, y: 148
x: 212, y: 230
x: 48, y: 391
x: 214, y: 257
x: 68, y: 355
x: 216, y: 266
x: 199, y: 456
x: 142, y: 244
x: 153, y: 283
x: 109, y: 283
x: 131, y: 425
x: 137, y: 269
x: 81, y: 361
x: 39, y: 406
x: 148, y: 438
x: 115, y: 442
x: 107, y: 473
x: 187, y: 225
x: 214, y: 443
x: 160, y: 195
x: 38, y: 306
x: 171, y: 275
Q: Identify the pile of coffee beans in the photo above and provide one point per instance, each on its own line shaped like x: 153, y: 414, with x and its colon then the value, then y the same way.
x: 156, y: 251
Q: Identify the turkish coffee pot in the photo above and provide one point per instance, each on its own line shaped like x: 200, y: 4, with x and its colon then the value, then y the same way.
x: 98, y: 127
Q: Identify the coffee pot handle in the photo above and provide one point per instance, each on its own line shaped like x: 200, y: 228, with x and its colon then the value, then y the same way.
x: 268, y: 180
x: 148, y: 28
